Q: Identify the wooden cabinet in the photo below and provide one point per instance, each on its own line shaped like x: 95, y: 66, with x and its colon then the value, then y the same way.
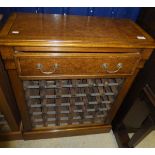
x: 70, y: 73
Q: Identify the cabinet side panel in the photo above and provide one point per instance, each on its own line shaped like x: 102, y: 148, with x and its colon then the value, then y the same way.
x: 19, y: 94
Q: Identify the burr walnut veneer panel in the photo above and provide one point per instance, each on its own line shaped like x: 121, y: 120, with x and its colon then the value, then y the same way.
x: 75, y: 64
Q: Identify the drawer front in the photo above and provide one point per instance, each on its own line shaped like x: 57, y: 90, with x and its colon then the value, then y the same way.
x: 35, y: 65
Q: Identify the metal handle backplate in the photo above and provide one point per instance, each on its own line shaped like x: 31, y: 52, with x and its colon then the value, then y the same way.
x: 105, y: 66
x: 40, y: 67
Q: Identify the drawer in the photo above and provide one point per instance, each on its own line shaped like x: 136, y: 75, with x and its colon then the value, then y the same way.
x: 75, y: 64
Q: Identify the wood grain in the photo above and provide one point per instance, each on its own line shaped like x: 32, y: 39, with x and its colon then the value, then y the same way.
x: 75, y: 64
x: 19, y: 94
x: 74, y: 31
x: 7, y: 101
x: 66, y: 132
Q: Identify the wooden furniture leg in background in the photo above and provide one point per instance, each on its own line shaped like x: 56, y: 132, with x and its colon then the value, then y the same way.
x: 147, y: 126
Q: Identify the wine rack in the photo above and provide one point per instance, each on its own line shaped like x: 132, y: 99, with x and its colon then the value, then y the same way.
x: 68, y: 102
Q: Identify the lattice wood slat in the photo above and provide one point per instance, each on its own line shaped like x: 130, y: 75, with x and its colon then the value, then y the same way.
x: 67, y: 102
x: 4, y: 127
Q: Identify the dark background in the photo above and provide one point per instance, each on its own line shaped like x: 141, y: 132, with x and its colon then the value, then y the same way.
x: 115, y: 12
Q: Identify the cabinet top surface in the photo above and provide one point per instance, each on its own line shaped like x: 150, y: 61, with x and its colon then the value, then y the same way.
x: 24, y: 29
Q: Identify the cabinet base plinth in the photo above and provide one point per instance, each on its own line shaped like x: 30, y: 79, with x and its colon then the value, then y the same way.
x: 43, y: 134
x: 17, y: 135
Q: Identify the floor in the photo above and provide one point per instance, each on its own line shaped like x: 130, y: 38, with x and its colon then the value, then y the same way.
x: 105, y: 140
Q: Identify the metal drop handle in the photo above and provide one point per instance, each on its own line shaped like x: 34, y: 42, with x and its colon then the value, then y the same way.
x: 106, y: 66
x: 40, y: 67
